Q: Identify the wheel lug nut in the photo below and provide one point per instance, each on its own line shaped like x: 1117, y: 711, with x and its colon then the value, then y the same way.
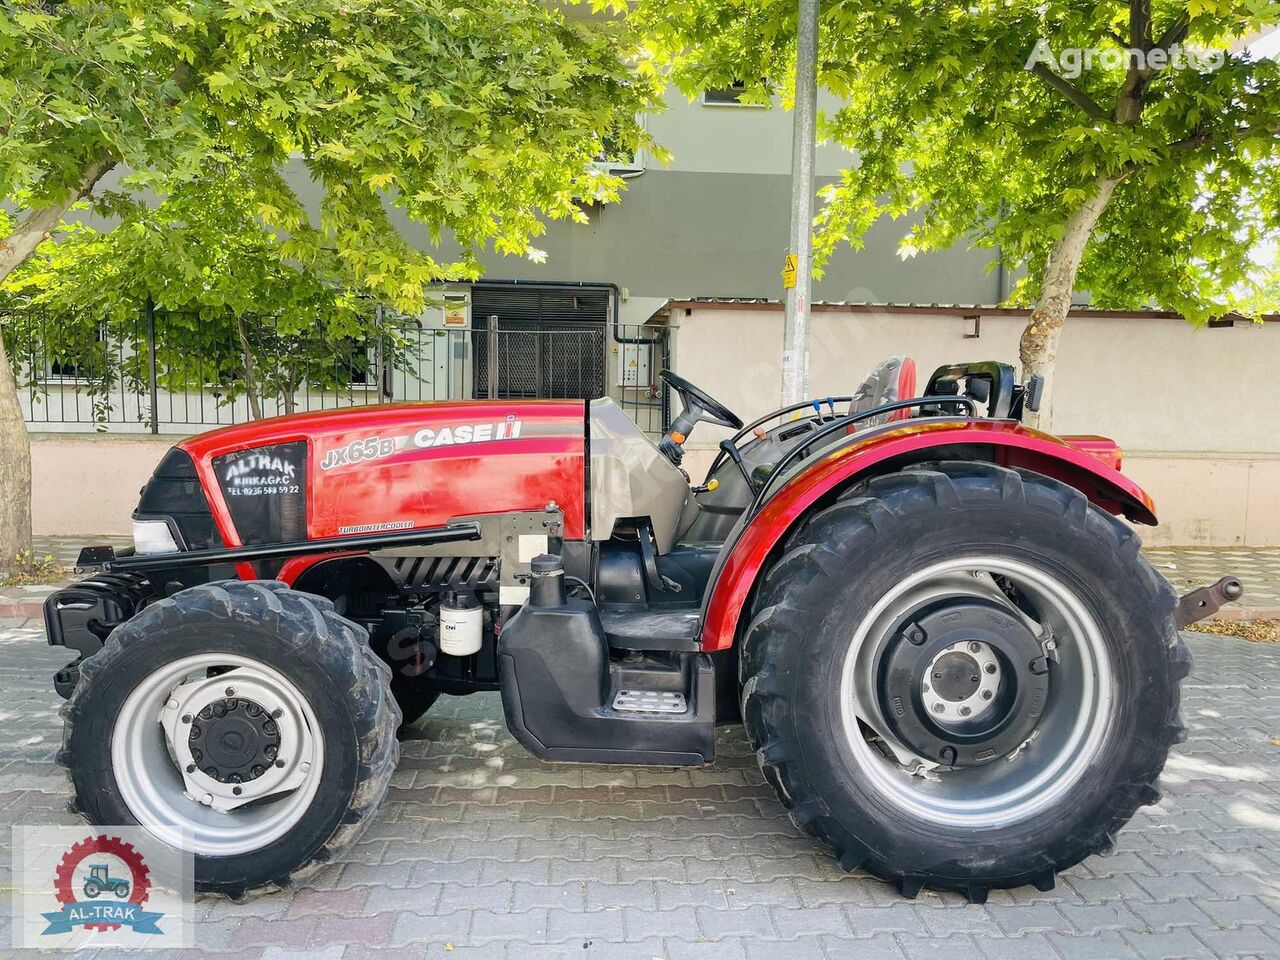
x: 186, y: 718
x: 237, y: 791
x: 191, y: 768
x: 195, y: 730
x: 197, y: 756
x: 231, y: 691
x: 280, y: 763
x: 220, y: 710
x: 974, y: 647
x: 257, y: 771
x: 965, y: 711
x: 938, y: 708
x: 277, y: 713
x: 987, y: 694
x: 991, y: 668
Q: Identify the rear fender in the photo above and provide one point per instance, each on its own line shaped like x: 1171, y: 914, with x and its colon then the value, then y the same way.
x: 1003, y: 442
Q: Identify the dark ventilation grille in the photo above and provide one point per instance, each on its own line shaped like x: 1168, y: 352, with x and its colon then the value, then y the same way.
x: 549, y: 343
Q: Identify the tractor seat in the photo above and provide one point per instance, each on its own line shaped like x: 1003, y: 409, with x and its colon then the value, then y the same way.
x: 892, y: 379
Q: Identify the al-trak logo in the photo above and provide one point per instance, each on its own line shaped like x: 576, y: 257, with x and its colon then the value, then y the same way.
x: 102, y: 883
x: 375, y: 448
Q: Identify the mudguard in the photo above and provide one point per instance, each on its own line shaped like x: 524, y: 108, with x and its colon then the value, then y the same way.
x: 1087, y: 467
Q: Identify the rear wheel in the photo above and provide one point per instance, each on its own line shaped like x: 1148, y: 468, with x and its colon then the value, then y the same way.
x: 964, y: 677
x: 242, y: 722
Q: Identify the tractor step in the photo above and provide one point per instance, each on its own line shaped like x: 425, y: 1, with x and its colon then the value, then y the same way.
x: 568, y: 696
x: 649, y: 701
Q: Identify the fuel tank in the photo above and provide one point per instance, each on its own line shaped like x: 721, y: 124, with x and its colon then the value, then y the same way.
x: 392, y: 467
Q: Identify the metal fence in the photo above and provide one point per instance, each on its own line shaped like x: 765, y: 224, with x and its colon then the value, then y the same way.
x: 161, y: 372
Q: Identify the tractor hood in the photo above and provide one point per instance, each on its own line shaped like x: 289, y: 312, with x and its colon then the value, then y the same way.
x: 390, y: 467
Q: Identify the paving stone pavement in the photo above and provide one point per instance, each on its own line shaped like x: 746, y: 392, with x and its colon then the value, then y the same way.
x: 483, y: 852
x: 1257, y: 567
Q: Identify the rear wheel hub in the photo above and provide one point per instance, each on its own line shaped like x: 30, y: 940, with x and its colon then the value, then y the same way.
x: 963, y: 681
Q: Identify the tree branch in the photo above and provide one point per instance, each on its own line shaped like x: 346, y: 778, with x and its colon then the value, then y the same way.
x: 1176, y: 32
x: 1069, y: 90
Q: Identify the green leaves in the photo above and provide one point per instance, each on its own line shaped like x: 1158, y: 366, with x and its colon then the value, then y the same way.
x: 473, y: 120
x: 949, y: 125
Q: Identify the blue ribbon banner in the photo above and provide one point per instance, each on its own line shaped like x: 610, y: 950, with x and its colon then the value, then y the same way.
x: 122, y: 912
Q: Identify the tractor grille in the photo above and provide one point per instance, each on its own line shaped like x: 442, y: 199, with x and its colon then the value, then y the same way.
x: 426, y: 574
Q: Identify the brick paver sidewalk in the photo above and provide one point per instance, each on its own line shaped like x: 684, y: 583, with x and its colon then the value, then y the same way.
x: 481, y: 851
x: 1257, y: 567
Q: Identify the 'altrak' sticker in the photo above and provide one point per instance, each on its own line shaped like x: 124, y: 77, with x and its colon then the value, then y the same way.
x: 375, y: 448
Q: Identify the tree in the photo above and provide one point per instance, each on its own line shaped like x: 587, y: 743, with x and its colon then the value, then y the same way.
x: 232, y: 311
x: 477, y: 118
x: 1101, y: 146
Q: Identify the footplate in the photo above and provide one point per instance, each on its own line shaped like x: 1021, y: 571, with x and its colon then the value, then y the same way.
x: 649, y: 701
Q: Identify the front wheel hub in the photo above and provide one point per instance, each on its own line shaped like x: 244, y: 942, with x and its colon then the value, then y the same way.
x: 963, y: 681
x: 234, y: 740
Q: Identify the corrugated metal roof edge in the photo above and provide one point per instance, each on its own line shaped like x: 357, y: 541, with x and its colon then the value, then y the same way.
x: 938, y: 309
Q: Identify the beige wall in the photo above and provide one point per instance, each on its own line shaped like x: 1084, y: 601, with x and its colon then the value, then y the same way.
x: 1191, y: 408
x: 88, y: 484
x: 1204, y: 441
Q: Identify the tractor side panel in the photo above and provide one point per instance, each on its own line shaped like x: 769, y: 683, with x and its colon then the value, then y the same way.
x: 393, y: 467
x: 1000, y: 441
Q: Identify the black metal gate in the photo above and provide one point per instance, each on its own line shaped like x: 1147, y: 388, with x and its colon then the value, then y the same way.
x: 547, y: 342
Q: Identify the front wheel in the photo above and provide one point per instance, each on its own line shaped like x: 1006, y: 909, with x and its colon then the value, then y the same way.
x: 242, y: 722
x: 963, y: 677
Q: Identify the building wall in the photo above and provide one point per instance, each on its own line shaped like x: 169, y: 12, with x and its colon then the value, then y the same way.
x: 1189, y: 407
x: 715, y: 222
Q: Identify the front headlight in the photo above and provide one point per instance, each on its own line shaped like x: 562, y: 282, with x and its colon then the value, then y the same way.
x: 153, y: 536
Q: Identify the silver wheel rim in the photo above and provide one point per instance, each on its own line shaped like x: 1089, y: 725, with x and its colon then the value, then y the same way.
x: 180, y: 807
x: 1035, y: 776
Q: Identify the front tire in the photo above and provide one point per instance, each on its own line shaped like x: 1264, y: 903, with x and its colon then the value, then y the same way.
x: 963, y: 677
x: 243, y: 722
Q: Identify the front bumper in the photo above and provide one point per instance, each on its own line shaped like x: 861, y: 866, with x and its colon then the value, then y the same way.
x: 82, y: 616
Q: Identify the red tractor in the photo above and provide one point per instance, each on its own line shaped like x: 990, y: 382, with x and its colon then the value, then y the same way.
x: 954, y: 665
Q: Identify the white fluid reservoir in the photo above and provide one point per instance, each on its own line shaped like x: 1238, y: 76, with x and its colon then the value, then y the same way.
x: 461, y: 625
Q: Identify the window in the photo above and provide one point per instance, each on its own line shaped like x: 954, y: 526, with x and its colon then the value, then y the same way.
x: 730, y: 96
x: 80, y: 361
x: 617, y: 160
x: 356, y: 363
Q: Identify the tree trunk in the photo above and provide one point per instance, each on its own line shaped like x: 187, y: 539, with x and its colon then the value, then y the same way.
x: 15, y: 445
x: 250, y: 381
x: 1038, y: 347
x: 15, y: 472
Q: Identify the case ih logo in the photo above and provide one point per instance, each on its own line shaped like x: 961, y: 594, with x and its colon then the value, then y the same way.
x: 375, y: 448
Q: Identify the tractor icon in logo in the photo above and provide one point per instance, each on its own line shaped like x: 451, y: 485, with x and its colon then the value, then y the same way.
x: 99, y: 879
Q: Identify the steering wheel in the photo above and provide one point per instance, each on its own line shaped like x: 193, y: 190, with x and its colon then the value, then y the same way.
x: 698, y: 406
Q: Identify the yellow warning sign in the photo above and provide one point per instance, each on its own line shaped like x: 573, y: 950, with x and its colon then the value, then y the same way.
x: 789, y: 271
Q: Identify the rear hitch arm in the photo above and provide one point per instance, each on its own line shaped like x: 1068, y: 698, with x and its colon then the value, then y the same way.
x: 1206, y: 601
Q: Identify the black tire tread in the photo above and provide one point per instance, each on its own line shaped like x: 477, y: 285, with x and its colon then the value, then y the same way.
x: 812, y: 560
x: 305, y: 621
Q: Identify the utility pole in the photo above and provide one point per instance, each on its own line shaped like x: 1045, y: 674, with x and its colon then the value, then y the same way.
x: 797, y: 274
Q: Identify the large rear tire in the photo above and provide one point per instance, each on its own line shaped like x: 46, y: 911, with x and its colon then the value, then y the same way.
x: 243, y: 722
x: 963, y: 677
